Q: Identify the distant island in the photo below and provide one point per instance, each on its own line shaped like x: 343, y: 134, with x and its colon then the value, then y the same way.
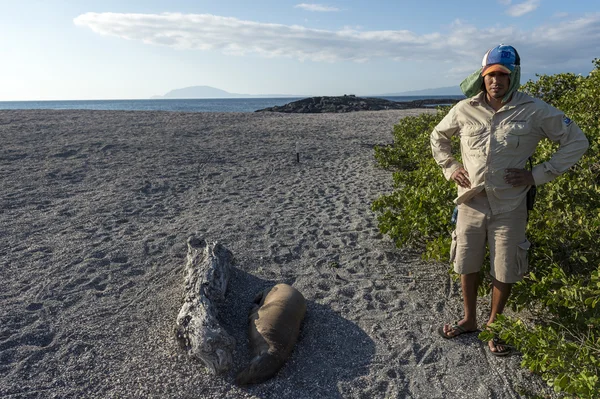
x: 212, y: 92
x: 351, y: 103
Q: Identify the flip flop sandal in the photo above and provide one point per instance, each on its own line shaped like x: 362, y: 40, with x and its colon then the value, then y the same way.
x: 457, y: 330
x: 507, y: 348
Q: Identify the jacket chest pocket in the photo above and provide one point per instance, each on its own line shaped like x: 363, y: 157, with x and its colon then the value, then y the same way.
x: 514, y: 135
x: 474, y: 137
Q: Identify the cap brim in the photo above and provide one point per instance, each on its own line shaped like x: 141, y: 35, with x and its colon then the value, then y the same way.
x: 495, y: 68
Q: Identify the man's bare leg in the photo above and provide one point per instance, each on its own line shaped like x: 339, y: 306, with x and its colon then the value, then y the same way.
x: 469, y: 283
x: 500, y: 294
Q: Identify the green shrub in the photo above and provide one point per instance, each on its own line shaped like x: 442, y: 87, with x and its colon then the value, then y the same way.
x: 563, y: 289
x: 418, y: 212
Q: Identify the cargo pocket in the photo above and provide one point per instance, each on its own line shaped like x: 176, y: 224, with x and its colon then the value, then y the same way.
x: 522, y: 257
x: 453, y: 247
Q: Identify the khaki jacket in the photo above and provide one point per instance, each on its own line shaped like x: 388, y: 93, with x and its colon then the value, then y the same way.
x: 491, y: 142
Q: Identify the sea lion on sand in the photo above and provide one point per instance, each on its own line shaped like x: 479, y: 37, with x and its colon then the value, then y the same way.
x: 274, y: 327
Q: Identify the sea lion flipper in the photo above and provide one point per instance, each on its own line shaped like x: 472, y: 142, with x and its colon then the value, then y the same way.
x: 253, y: 312
x: 259, y: 297
x: 261, y: 368
x: 262, y: 295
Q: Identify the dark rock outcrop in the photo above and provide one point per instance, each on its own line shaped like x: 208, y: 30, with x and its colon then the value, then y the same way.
x: 351, y: 103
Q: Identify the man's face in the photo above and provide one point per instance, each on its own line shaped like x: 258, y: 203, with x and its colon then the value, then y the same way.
x: 496, y: 84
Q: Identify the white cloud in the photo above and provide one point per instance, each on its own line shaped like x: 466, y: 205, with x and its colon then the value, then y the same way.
x: 462, y: 45
x: 316, y: 7
x: 520, y: 9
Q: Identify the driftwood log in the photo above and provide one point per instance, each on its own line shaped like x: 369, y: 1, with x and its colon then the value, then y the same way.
x: 198, y: 331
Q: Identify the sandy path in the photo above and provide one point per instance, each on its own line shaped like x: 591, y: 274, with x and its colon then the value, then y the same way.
x: 95, y: 210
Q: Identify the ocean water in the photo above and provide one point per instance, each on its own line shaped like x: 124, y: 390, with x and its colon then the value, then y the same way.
x: 187, y: 105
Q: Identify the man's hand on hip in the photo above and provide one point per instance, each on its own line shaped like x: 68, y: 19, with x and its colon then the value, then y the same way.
x: 519, y: 177
x: 461, y: 177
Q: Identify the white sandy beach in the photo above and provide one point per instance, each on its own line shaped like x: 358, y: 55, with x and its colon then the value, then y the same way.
x: 95, y: 211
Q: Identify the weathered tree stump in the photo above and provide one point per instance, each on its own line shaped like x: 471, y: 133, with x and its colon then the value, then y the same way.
x: 198, y: 331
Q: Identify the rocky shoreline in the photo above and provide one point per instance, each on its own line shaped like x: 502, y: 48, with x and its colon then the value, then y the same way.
x: 351, y: 103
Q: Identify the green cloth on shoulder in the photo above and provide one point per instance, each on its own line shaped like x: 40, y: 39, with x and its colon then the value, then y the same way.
x: 473, y: 83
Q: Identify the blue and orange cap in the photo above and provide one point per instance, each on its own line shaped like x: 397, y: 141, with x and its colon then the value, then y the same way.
x: 502, y: 58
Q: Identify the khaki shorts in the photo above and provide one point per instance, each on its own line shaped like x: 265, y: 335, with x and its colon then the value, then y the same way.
x: 503, y: 233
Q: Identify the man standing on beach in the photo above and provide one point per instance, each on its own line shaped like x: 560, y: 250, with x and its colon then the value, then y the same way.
x: 499, y: 129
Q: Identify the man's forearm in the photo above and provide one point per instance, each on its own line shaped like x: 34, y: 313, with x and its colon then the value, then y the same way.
x: 570, y: 151
x: 441, y: 147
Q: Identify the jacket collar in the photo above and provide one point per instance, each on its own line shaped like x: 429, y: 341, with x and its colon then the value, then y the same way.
x: 517, y: 99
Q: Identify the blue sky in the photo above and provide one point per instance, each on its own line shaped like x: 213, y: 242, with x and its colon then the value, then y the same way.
x: 90, y: 49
